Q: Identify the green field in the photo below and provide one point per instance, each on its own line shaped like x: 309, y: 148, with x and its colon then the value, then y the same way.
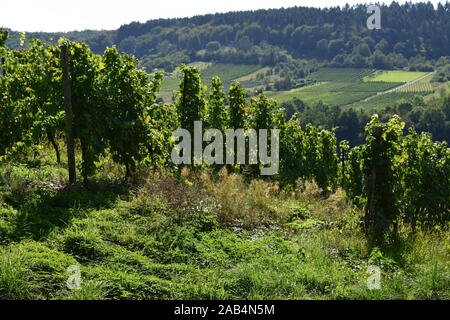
x: 340, y: 74
x: 250, y: 80
x: 253, y: 75
x: 385, y: 100
x: 394, y: 76
x: 340, y: 98
x: 307, y: 96
x: 326, y: 86
x: 370, y: 87
x: 227, y: 72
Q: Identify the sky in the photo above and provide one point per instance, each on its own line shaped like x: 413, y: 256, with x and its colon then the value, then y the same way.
x: 58, y: 15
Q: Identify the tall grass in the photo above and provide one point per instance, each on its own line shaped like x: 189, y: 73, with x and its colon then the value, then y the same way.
x: 200, y: 235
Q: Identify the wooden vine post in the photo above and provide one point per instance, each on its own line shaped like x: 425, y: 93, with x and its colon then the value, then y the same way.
x: 68, y: 114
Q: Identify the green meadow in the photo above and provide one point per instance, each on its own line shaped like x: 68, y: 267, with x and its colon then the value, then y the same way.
x: 394, y: 76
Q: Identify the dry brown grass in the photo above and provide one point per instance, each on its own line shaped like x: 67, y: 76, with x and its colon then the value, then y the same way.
x: 238, y: 202
x: 248, y: 204
x: 235, y: 200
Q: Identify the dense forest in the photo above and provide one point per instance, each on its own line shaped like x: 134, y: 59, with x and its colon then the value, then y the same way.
x: 412, y: 34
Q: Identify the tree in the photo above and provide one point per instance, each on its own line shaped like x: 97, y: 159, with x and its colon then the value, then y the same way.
x: 3, y: 36
x: 36, y: 113
x: 322, y: 48
x: 88, y: 116
x: 292, y: 152
x: 425, y: 179
x: 213, y: 46
x: 380, y: 61
x: 433, y: 121
x: 191, y: 102
x: 335, y: 46
x: 327, y: 168
x: 238, y: 112
x: 264, y: 113
x: 133, y: 132
x: 363, y: 49
x: 381, y: 176
x: 218, y: 112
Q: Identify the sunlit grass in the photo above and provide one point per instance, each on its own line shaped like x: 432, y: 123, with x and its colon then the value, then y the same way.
x: 394, y: 76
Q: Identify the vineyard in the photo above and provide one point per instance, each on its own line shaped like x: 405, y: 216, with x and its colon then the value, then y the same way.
x: 422, y: 86
x: 384, y: 100
x: 340, y: 87
x: 142, y: 227
x: 334, y: 86
x: 370, y: 87
x: 341, y: 74
x: 418, y: 87
x: 314, y: 94
x: 349, y: 87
